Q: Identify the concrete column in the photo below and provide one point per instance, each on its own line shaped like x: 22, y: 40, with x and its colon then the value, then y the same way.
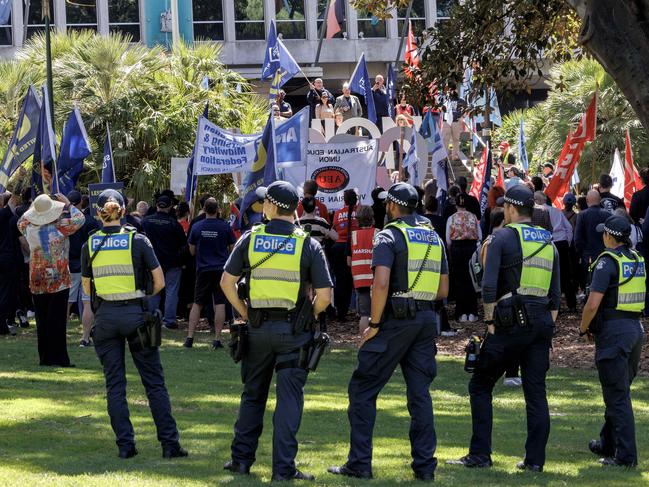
x: 433, y: 16
x: 392, y: 26
x: 269, y: 14
x: 175, y: 26
x: 228, y: 21
x: 17, y: 19
x: 352, y: 22
x: 102, y: 17
x: 59, y: 15
x: 311, y: 18
x: 430, y: 8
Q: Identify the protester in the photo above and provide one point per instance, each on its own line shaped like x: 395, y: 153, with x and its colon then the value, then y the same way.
x: 540, y: 214
x: 316, y: 226
x: 359, y: 258
x: 381, y: 101
x: 569, y: 202
x: 635, y: 235
x: 640, y: 199
x: 548, y: 171
x: 210, y: 241
x: 588, y: 241
x: 514, y: 177
x: 405, y: 109
x: 183, y: 215
x: 454, y: 108
x: 348, y: 104
x: 472, y: 203
x: 168, y: 240
x: 77, y: 296
x: 494, y: 201
x: 462, y: 235
x: 324, y: 110
x: 10, y: 262
x: 310, y: 190
x: 344, y: 221
x: 609, y: 202
x: 378, y: 208
x: 314, y: 96
x: 47, y: 225
x: 285, y: 110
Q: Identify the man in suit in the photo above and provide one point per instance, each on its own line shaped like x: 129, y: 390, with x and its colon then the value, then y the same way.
x: 640, y: 199
x: 348, y: 104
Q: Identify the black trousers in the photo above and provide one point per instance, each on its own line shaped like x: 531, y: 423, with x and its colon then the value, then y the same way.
x: 344, y: 284
x: 617, y: 355
x: 530, y: 346
x: 8, y: 295
x: 51, y: 318
x: 466, y: 300
x: 113, y: 324
x: 567, y: 285
x: 410, y: 344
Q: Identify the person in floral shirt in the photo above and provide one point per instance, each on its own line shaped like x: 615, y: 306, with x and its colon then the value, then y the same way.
x: 46, y: 226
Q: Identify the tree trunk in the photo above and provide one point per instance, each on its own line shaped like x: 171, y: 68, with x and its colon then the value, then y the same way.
x: 616, y: 32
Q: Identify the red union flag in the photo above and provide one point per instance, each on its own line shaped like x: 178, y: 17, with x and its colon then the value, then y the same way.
x: 412, y: 56
x: 632, y: 181
x: 571, y: 153
x: 479, y: 176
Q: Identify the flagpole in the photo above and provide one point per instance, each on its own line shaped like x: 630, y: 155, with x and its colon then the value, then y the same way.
x: 323, y: 29
x: 404, y: 32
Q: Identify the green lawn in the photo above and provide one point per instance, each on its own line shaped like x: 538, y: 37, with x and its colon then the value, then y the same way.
x: 54, y: 429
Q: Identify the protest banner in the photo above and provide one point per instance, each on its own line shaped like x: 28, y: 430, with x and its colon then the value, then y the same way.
x: 178, y: 174
x: 94, y: 190
x: 337, y: 167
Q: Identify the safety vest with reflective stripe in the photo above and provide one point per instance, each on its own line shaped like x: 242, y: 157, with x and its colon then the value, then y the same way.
x: 536, y: 272
x: 112, y: 267
x: 362, y: 244
x: 276, y: 282
x: 417, y: 239
x: 631, y: 292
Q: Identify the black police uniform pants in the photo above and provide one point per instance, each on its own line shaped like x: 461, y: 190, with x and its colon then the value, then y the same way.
x: 617, y: 355
x: 272, y: 344
x: 410, y: 344
x: 530, y: 346
x: 567, y: 286
x: 344, y: 284
x: 113, y: 324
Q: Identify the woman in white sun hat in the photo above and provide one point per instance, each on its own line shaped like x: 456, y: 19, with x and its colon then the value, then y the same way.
x: 47, y: 225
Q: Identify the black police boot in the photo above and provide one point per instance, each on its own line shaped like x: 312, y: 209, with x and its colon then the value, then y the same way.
x: 348, y: 472
x: 473, y: 461
x: 236, y: 467
x: 189, y: 342
x: 174, y: 452
x: 528, y: 466
x: 425, y: 477
x: 296, y: 476
x: 614, y: 462
x: 596, y: 447
x: 127, y: 453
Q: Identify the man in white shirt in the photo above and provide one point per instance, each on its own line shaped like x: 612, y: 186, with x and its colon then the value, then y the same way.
x: 562, y: 235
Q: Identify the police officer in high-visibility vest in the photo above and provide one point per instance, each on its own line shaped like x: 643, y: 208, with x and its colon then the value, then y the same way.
x: 281, y: 263
x: 114, y: 264
x: 410, y: 273
x: 612, y: 314
x: 521, y: 292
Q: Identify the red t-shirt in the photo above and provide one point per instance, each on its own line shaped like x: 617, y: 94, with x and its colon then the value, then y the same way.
x: 340, y: 223
x: 320, y: 210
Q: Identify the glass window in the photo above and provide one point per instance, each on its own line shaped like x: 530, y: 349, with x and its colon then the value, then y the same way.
x: 342, y: 17
x: 124, y: 17
x: 417, y: 17
x: 444, y: 8
x: 249, y: 20
x: 369, y: 26
x: 35, y: 18
x: 208, y: 19
x: 290, y: 19
x: 5, y: 30
x: 81, y: 14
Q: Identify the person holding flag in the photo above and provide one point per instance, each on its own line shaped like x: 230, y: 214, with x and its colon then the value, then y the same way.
x: 359, y: 82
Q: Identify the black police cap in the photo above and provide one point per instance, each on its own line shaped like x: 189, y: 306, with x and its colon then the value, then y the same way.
x: 280, y: 193
x: 618, y: 226
x: 519, y: 195
x: 403, y: 194
x: 110, y: 195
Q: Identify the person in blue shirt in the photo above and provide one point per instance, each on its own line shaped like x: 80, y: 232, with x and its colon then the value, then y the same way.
x: 210, y: 240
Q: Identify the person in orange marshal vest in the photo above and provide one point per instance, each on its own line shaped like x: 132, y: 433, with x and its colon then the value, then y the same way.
x: 360, y: 260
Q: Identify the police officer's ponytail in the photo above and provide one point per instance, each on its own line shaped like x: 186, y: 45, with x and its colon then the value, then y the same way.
x: 111, y: 211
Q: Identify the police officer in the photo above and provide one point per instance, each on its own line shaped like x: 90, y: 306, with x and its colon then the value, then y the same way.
x: 612, y: 312
x: 521, y: 292
x: 115, y: 262
x: 280, y: 262
x: 410, y: 273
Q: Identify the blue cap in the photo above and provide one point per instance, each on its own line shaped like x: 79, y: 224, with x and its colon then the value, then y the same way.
x: 163, y: 202
x: 569, y: 199
x: 519, y: 195
x: 110, y: 195
x: 74, y: 197
x: 403, y: 194
x: 280, y: 193
x: 618, y: 226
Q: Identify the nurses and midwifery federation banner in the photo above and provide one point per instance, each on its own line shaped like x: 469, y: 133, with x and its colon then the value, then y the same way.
x: 337, y: 167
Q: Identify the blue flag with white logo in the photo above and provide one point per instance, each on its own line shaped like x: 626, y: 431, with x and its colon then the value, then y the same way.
x: 391, y: 83
x: 522, y: 146
x: 74, y: 149
x: 494, y: 117
x: 21, y: 145
x: 192, y: 179
x: 44, y: 178
x: 429, y: 130
x: 287, y: 68
x: 411, y: 161
x: 262, y: 174
x: 291, y: 138
x: 271, y: 57
x: 107, y: 163
x: 361, y: 84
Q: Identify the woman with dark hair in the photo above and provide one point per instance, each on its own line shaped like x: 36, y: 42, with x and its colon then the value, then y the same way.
x: 378, y: 208
x: 344, y: 222
x: 492, y: 202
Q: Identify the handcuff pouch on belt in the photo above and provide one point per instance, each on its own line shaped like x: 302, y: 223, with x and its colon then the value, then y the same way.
x: 148, y: 335
x: 401, y: 308
x: 238, y: 344
x: 510, y: 312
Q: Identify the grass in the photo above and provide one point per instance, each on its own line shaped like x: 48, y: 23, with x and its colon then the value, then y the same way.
x: 54, y: 428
